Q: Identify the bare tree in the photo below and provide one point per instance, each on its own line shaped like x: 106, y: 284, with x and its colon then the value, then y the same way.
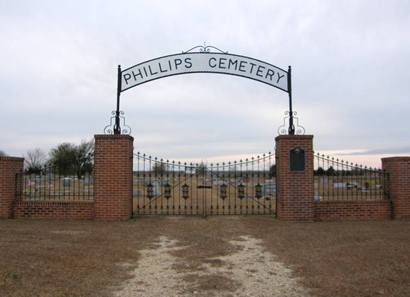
x: 2, y: 153
x: 34, y: 161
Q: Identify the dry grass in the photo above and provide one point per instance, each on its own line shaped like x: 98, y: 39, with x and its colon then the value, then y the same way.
x: 71, y: 258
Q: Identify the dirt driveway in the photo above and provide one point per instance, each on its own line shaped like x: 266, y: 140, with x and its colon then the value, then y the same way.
x: 217, y: 256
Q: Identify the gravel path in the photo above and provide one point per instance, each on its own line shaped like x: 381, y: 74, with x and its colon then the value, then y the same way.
x: 247, y: 271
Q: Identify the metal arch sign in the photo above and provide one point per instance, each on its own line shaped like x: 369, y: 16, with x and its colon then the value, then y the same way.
x: 203, y: 59
x: 204, y: 62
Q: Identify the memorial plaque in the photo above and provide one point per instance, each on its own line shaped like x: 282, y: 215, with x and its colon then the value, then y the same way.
x: 297, y: 159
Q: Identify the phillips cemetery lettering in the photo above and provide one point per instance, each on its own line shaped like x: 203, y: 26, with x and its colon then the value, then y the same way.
x: 204, y: 63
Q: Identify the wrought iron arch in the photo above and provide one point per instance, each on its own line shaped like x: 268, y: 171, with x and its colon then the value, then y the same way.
x: 201, y: 59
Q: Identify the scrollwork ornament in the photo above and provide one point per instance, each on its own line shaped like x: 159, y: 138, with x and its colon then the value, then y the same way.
x: 124, y: 128
x: 204, y: 49
x: 283, y: 129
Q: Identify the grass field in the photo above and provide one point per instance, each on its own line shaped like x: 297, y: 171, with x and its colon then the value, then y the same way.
x: 55, y: 188
x: 85, y: 258
x: 351, y: 187
x: 327, y: 188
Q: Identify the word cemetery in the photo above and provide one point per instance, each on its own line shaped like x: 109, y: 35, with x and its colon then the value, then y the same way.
x: 204, y: 63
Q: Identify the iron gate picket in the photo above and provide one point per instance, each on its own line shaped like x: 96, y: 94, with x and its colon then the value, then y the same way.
x: 162, y: 187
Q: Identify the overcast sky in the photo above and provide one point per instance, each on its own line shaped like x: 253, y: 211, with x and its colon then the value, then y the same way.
x: 350, y: 63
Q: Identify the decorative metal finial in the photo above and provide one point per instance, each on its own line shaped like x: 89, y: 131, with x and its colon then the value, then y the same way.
x: 298, y: 129
x: 204, y: 49
x: 113, y: 126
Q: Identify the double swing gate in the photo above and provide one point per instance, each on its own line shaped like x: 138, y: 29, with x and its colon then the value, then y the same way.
x: 162, y: 187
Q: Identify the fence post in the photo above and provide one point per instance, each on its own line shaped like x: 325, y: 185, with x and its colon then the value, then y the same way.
x: 398, y: 169
x: 9, y: 167
x: 294, y: 177
x: 113, y: 177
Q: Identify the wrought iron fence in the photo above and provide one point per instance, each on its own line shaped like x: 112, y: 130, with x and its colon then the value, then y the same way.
x: 49, y: 185
x: 339, y: 180
x: 180, y: 188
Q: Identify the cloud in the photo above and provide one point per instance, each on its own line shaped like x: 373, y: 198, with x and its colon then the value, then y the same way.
x: 349, y: 59
x: 381, y: 151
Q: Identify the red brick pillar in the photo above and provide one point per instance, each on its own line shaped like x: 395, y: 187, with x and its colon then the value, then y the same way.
x: 113, y: 177
x: 9, y: 167
x: 398, y: 169
x: 294, y: 177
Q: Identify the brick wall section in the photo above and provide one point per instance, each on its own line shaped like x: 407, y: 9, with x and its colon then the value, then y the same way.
x: 295, y: 189
x: 352, y: 210
x: 54, y: 210
x: 113, y: 177
x: 9, y: 167
x: 398, y: 169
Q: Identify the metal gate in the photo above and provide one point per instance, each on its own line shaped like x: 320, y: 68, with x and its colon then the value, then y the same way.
x: 245, y: 187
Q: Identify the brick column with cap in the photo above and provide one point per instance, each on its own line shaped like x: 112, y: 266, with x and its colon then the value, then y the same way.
x: 9, y: 167
x: 113, y: 177
x: 294, y: 177
x: 398, y: 169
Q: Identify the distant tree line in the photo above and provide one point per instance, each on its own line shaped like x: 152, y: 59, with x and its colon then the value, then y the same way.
x: 201, y: 169
x: 64, y: 159
x: 161, y: 168
x: 334, y: 172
